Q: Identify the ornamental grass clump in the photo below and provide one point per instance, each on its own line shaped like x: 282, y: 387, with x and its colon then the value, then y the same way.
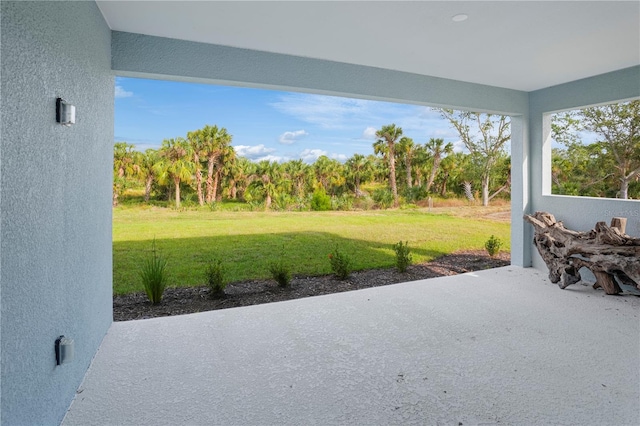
x: 154, y: 275
x: 280, y: 271
x: 340, y: 264
x: 493, y: 245
x: 403, y: 256
x: 215, y: 279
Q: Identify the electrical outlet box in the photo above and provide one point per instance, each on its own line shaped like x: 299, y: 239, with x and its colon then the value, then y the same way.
x: 64, y: 350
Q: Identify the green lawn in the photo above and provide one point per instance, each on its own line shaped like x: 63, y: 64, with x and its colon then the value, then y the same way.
x: 248, y: 241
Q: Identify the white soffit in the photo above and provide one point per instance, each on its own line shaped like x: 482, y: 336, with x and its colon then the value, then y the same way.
x: 522, y: 45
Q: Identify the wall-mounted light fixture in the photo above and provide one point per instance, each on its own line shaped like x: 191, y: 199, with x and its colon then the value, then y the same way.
x: 65, y: 112
x: 64, y: 350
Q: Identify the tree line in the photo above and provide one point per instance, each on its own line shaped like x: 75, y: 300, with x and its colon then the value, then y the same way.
x: 205, y: 164
x: 608, y: 167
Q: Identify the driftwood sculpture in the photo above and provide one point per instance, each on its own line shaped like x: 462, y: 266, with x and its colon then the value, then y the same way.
x: 612, y: 256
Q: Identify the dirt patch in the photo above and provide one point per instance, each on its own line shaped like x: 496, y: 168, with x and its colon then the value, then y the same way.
x: 499, y: 216
x: 186, y: 300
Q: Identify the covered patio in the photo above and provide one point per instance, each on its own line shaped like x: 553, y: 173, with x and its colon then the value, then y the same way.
x: 501, y: 346
x: 498, y: 347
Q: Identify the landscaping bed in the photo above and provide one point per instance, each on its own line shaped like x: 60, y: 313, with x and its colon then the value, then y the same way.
x: 186, y: 300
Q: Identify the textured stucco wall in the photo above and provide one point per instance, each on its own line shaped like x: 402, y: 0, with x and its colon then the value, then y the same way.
x: 579, y: 213
x: 55, y: 184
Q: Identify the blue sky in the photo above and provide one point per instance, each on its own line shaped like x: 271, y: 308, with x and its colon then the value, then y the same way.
x: 266, y: 124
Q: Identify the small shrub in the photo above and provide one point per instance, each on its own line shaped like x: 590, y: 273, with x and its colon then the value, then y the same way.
x: 363, y: 203
x: 154, y: 275
x: 320, y: 201
x: 215, y: 279
x: 415, y: 193
x: 493, y: 245
x: 403, y: 256
x: 342, y: 202
x: 340, y: 264
x: 255, y: 205
x: 280, y: 271
x: 383, y: 197
x: 281, y: 202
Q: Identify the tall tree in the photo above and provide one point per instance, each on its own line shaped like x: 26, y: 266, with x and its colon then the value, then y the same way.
x: 485, y: 136
x: 619, y: 127
x: 267, y: 179
x: 196, y: 139
x: 583, y: 170
x: 215, y: 142
x: 176, y: 164
x: 124, y: 166
x: 329, y: 173
x: 239, y: 177
x: 147, y: 161
x: 300, y: 174
x: 454, y: 170
x: 437, y: 148
x: 421, y: 163
x: 407, y: 150
x: 359, y: 169
x: 389, y: 135
x: 226, y: 155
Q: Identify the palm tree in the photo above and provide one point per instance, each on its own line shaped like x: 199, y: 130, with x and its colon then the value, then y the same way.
x: 437, y: 148
x: 196, y: 140
x: 407, y: 150
x: 359, y: 168
x: 147, y: 161
x: 214, y: 142
x: 239, y: 177
x: 299, y: 174
x: 175, y: 164
x: 267, y: 179
x: 420, y: 162
x: 456, y: 169
x: 329, y: 173
x: 224, y: 163
x: 123, y: 166
x: 389, y: 134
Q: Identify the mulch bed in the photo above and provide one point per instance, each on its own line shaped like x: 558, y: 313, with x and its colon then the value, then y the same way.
x: 186, y: 300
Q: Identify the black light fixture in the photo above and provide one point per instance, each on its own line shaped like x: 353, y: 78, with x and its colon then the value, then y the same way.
x: 64, y: 350
x: 65, y: 112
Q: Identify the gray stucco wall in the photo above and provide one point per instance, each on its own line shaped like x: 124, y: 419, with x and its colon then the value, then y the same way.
x: 55, y: 184
x: 578, y: 213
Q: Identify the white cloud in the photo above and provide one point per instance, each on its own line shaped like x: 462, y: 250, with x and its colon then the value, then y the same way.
x: 288, y: 138
x: 459, y: 146
x: 340, y: 157
x: 311, y: 155
x: 276, y: 158
x: 121, y: 93
x: 328, y: 112
x: 369, y: 133
x: 254, y: 153
x: 352, y: 115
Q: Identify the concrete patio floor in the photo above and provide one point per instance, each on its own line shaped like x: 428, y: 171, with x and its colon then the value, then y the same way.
x: 502, y: 346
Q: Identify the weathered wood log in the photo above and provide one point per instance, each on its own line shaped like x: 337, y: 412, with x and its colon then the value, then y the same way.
x: 611, y: 255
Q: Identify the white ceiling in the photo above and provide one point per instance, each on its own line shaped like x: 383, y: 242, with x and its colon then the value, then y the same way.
x: 523, y: 45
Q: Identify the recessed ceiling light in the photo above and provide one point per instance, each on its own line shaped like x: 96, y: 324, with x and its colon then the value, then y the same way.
x: 460, y: 17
